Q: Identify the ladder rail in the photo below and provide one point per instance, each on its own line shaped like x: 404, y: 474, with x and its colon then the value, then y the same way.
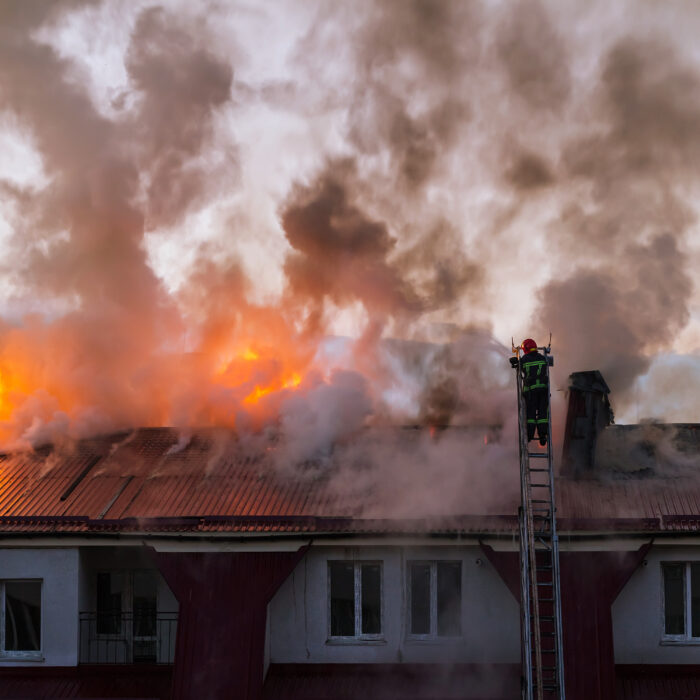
x: 559, y: 645
x: 525, y: 573
x: 526, y: 650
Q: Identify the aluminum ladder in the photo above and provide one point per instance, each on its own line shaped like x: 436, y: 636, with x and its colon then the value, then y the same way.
x: 540, y: 592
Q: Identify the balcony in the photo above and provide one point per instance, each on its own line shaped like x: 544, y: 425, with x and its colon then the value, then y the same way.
x: 127, y: 637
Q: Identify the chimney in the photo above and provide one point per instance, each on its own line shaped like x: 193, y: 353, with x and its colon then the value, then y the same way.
x: 588, y: 413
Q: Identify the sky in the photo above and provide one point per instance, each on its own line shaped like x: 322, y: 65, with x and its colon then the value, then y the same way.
x: 243, y: 180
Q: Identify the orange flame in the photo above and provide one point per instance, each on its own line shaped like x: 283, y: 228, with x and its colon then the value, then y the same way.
x: 59, y: 378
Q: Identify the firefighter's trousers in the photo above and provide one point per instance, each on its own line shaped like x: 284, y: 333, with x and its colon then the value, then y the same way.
x: 537, y: 411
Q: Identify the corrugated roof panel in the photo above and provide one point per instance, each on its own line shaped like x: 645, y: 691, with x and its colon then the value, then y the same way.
x: 149, y: 474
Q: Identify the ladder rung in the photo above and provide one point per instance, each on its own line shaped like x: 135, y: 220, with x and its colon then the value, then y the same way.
x: 539, y: 500
x: 533, y: 469
x: 538, y: 455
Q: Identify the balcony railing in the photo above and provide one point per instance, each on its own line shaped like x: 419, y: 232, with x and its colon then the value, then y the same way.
x: 127, y: 637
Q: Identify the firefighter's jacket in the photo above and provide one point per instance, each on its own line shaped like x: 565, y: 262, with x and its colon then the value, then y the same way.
x: 534, y: 369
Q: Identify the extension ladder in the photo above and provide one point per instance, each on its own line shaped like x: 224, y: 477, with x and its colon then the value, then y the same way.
x: 540, y: 594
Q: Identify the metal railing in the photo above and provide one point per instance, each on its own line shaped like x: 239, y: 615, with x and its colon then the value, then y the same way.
x: 127, y: 637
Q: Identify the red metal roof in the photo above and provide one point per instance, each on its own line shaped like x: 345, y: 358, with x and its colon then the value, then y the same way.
x: 147, y: 481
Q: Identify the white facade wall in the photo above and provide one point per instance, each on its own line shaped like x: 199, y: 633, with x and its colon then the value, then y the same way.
x: 298, y: 616
x: 638, y: 613
x: 299, y: 612
x: 59, y: 570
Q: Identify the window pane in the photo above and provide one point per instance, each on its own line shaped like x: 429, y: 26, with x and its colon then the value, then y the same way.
x: 145, y: 586
x: 371, y: 599
x: 420, y: 598
x: 22, y: 616
x: 342, y: 598
x: 673, y: 598
x: 109, y: 602
x: 449, y: 599
x: 695, y: 598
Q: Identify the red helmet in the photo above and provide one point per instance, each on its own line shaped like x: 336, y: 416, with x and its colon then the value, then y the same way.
x: 529, y: 344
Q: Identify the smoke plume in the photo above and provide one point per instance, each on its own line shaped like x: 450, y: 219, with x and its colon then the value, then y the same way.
x: 416, y: 176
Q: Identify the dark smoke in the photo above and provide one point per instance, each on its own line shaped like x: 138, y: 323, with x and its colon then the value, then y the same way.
x: 628, y: 293
x: 181, y: 83
x: 529, y: 172
x: 339, y: 252
x: 471, y: 146
x: 534, y: 56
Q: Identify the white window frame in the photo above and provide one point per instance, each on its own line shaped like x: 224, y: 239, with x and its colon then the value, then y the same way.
x: 433, y: 635
x: 30, y: 655
x: 681, y: 639
x: 357, y: 580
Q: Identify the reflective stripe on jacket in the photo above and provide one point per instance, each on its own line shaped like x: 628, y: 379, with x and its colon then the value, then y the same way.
x: 534, y: 368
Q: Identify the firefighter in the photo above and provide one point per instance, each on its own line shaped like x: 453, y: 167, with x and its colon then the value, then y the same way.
x: 533, y: 366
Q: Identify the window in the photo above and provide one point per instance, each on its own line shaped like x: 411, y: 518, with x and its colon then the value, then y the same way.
x: 145, y: 626
x: 435, y: 599
x: 681, y: 601
x: 355, y: 599
x: 110, y: 592
x: 127, y: 608
x: 20, y: 618
x: 126, y: 625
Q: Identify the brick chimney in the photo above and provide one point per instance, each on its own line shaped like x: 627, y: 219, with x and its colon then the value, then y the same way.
x: 588, y: 413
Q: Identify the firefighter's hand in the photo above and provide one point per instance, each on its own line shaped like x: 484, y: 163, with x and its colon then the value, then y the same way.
x: 513, y: 362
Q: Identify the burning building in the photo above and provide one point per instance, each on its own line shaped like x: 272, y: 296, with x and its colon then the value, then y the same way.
x: 144, y: 565
x: 288, y: 248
